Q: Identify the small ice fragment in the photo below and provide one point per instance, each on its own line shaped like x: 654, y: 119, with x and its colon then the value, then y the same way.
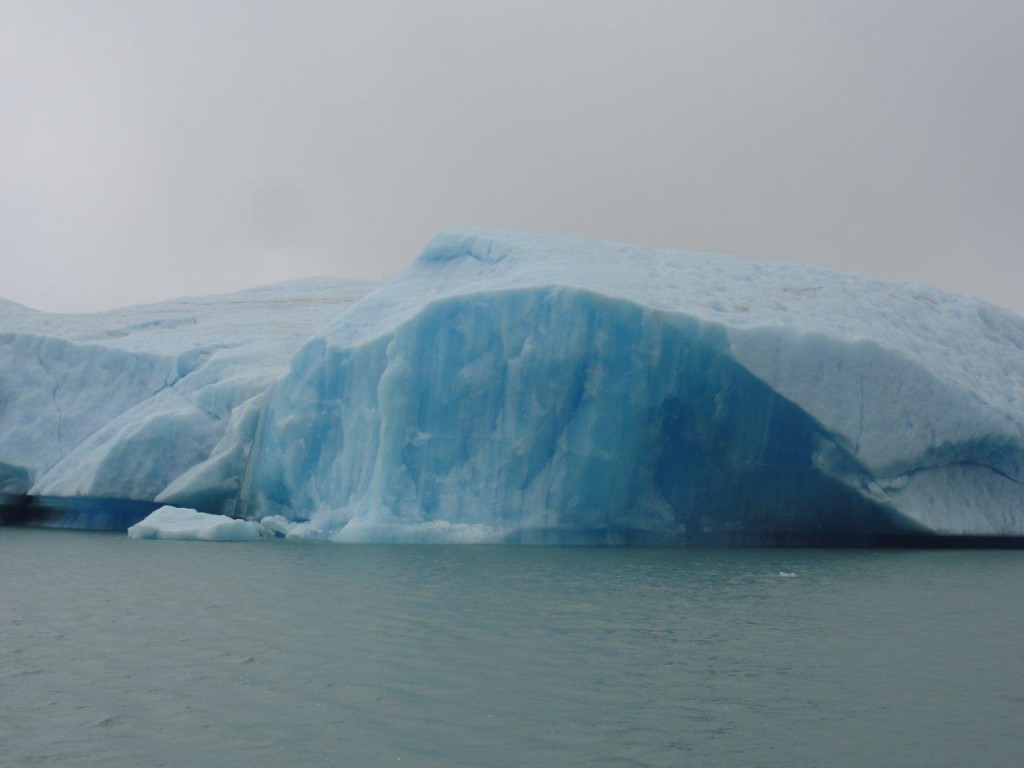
x: 188, y: 524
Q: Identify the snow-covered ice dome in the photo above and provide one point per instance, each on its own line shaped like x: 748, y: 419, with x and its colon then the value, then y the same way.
x: 514, y: 387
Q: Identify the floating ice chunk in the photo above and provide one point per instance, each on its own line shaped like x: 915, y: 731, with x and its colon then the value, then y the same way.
x: 188, y: 524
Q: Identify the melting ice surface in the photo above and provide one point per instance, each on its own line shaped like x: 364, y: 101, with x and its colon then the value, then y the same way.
x: 520, y: 388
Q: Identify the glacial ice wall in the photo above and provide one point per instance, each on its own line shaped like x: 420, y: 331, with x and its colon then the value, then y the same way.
x: 523, y: 388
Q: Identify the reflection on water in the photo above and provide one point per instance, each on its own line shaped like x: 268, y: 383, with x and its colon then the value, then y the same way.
x: 126, y: 653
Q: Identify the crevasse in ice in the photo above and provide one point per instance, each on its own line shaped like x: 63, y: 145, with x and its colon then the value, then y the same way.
x: 512, y: 387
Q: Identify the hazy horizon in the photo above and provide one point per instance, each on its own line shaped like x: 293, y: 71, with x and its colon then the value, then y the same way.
x: 153, y: 151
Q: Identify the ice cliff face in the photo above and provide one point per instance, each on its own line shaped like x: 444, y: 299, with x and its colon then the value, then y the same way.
x: 510, y: 387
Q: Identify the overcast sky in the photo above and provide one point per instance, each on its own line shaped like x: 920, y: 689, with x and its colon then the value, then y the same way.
x: 155, y: 149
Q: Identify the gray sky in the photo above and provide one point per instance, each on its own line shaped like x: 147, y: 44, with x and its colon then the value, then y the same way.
x: 155, y: 149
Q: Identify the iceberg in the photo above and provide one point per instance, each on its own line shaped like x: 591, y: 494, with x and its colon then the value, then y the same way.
x: 510, y: 387
x: 191, y: 525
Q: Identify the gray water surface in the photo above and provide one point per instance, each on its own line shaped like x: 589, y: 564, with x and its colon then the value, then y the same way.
x: 116, y: 652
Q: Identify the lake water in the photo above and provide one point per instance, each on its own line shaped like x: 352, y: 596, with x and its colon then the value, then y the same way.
x: 148, y: 653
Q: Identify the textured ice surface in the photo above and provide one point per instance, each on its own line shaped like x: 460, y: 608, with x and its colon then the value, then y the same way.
x: 543, y: 388
x: 512, y: 387
x: 121, y: 404
x: 188, y: 524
